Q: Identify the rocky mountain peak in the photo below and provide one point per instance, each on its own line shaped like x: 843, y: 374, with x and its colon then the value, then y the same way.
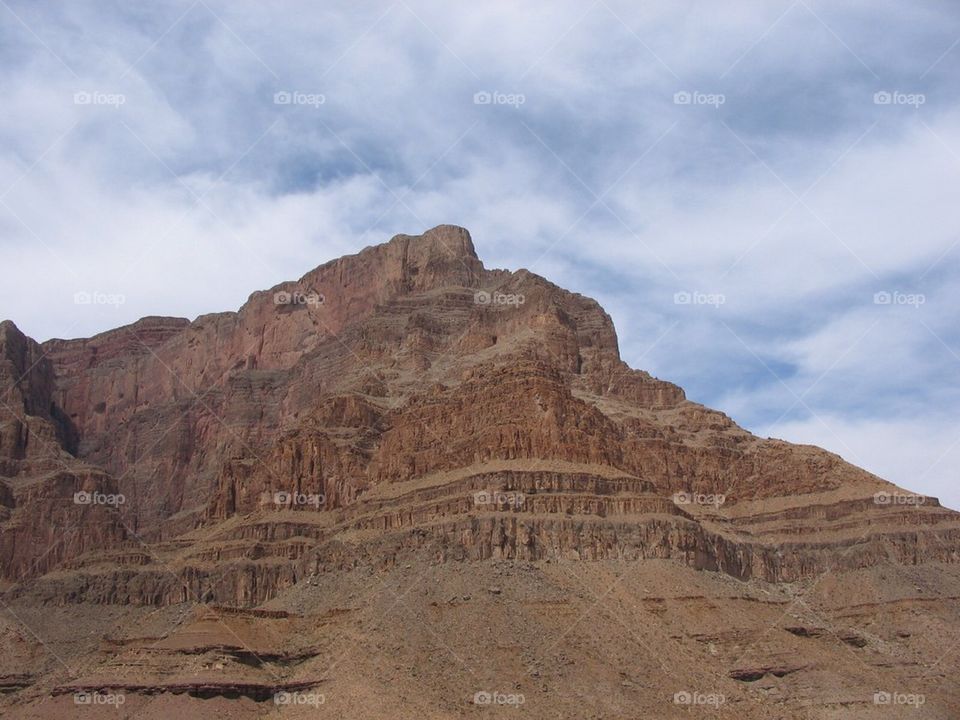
x: 406, y: 408
x: 443, y: 241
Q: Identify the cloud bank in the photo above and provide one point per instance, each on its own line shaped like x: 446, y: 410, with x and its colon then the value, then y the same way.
x: 761, y: 194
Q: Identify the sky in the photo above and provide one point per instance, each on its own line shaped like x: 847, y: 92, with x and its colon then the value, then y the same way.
x: 763, y: 195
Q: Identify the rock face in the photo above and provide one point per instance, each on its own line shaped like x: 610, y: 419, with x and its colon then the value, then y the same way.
x: 399, y: 406
x: 45, y: 491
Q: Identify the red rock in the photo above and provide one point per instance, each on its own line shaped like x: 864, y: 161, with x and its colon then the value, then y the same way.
x: 401, y: 403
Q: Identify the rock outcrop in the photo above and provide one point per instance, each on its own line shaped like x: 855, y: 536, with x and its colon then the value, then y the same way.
x: 401, y: 405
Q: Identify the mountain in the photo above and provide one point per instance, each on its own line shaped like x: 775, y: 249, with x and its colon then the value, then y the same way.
x: 405, y: 485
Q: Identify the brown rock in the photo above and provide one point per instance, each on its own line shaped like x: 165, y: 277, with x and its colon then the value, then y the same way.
x: 394, y: 417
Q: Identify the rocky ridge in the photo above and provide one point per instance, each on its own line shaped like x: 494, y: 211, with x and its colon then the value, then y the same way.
x: 397, y: 407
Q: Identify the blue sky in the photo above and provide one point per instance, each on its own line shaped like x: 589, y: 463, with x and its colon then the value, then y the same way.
x: 777, y: 163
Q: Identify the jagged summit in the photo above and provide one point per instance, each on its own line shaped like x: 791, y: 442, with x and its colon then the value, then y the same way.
x: 404, y: 407
x: 450, y: 240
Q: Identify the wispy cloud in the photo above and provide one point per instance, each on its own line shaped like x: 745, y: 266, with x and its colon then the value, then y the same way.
x: 794, y: 159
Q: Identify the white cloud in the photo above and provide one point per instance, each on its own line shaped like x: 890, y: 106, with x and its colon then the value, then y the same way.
x: 109, y: 199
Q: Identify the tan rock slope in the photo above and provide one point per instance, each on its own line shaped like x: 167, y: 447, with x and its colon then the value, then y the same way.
x: 409, y: 486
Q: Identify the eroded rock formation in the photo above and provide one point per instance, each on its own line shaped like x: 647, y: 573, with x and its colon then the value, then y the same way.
x: 404, y: 402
